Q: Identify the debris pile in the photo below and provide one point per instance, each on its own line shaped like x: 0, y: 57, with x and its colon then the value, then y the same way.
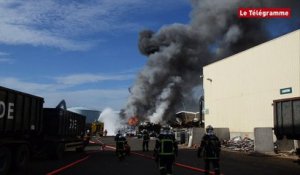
x: 239, y: 144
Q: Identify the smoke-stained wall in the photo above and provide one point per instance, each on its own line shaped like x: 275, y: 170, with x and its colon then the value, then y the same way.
x: 177, y: 53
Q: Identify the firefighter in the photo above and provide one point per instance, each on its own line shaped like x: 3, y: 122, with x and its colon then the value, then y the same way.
x: 146, y: 139
x: 121, y: 142
x: 87, y: 137
x: 210, y: 148
x: 165, y: 151
x: 118, y: 135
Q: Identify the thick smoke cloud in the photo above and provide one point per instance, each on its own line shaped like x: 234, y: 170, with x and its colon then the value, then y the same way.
x: 177, y: 53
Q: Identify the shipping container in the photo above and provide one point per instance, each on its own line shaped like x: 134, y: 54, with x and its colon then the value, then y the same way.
x: 97, y: 128
x: 62, y: 123
x: 26, y: 129
x: 287, y: 118
x: 20, y: 113
x: 21, y: 121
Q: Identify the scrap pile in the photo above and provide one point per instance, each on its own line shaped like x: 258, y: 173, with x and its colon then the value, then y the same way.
x: 239, y: 144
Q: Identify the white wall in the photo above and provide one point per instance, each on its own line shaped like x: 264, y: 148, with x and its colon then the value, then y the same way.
x: 243, y: 86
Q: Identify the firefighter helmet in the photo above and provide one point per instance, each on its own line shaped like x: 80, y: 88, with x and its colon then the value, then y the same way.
x: 209, y: 129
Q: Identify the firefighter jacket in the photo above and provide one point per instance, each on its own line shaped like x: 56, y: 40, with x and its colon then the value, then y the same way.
x: 120, y: 143
x: 166, y: 145
x: 210, y: 146
x: 146, y: 137
x: 117, y: 137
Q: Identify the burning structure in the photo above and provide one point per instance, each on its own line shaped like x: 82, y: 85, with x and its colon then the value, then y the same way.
x: 133, y: 121
x: 177, y: 53
x: 186, y: 119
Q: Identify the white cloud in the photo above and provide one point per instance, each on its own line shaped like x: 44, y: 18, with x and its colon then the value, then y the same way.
x: 90, y: 98
x: 91, y: 78
x: 61, y: 24
x: 17, y: 84
x: 10, y: 34
x: 34, y: 22
x: 3, y: 54
x: 62, y: 82
x: 54, y: 92
x: 6, y: 60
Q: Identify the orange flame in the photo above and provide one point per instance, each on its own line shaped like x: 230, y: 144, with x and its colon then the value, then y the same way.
x: 133, y: 121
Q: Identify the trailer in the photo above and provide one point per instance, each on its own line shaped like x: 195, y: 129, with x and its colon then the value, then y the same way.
x: 26, y: 129
x: 287, y: 120
x: 67, y: 131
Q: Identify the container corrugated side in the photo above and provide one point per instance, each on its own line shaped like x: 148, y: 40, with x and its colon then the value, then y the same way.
x: 62, y: 123
x: 20, y: 113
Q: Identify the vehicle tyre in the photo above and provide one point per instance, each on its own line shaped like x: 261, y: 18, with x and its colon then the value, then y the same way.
x: 21, y: 156
x: 5, y: 160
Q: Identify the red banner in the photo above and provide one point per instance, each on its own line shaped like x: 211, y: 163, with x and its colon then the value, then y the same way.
x: 264, y: 12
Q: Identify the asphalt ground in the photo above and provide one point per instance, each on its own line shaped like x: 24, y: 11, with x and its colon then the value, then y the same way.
x: 96, y: 161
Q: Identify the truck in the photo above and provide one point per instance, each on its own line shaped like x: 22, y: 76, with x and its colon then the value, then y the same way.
x: 287, y: 120
x: 27, y: 129
x: 97, y: 128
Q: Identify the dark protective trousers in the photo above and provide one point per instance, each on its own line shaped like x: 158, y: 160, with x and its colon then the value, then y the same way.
x: 145, y: 145
x: 166, y: 164
x: 215, y: 163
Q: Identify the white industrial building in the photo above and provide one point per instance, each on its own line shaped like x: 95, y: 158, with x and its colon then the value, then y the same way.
x: 239, y: 90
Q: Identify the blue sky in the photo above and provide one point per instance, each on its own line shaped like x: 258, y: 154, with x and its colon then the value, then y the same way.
x: 82, y: 51
x: 85, y: 53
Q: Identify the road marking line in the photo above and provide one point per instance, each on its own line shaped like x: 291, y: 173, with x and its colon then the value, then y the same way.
x: 177, y: 164
x: 143, y: 155
x: 190, y: 167
x: 67, y: 166
x: 110, y: 147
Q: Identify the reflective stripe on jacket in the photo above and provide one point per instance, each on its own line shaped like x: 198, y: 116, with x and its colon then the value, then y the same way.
x: 166, y: 147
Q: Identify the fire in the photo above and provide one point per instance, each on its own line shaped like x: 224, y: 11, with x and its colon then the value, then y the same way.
x: 133, y: 121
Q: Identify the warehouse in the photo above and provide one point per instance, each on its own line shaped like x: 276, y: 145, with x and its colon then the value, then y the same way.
x: 239, y: 90
x: 91, y: 114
